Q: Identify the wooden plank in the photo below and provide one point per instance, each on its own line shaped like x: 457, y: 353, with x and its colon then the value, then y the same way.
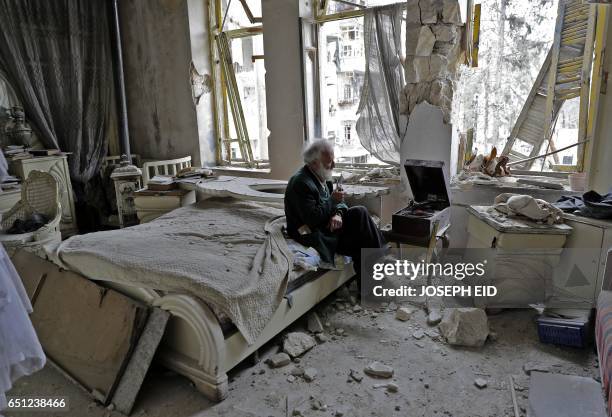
x: 602, y: 18
x: 140, y: 361
x: 586, y: 84
x: 532, y: 100
x: 87, y: 329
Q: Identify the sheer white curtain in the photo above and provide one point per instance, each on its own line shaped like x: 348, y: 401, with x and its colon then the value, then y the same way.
x: 380, y: 126
x: 20, y: 350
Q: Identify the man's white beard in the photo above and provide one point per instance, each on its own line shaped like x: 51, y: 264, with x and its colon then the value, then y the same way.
x: 325, y: 174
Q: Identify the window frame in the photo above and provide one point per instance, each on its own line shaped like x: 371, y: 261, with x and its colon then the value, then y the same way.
x: 225, y: 91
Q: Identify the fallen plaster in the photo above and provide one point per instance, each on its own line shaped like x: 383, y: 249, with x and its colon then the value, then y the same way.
x: 430, y: 377
x: 434, y: 31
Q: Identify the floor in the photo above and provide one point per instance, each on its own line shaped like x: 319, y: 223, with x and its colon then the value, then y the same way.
x: 434, y: 379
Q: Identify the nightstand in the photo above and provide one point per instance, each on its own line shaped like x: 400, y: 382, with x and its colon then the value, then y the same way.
x: 152, y: 204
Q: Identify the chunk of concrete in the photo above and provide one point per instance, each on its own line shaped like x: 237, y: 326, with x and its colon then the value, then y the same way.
x: 356, y: 375
x: 420, y: 41
x: 414, y: 94
x: 441, y: 95
x: 438, y: 66
x: 321, y: 337
x: 279, y: 360
x: 310, y: 374
x: 417, y: 69
x: 429, y: 11
x: 480, y: 383
x: 314, y: 323
x: 434, y: 317
x: 378, y: 370
x: 392, y: 387
x: 451, y: 12
x: 413, y: 12
x: 403, y: 314
x: 297, y: 371
x: 445, y: 33
x: 298, y: 343
x: 465, y: 326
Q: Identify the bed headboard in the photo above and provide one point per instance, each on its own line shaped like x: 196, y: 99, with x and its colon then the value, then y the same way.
x: 167, y: 167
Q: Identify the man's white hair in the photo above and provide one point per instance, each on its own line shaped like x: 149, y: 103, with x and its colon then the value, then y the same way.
x: 315, y: 148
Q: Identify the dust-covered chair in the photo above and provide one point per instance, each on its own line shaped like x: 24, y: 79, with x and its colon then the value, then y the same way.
x: 39, y: 197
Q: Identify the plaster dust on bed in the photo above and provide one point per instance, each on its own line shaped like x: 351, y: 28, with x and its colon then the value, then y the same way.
x: 430, y: 378
x: 229, y: 253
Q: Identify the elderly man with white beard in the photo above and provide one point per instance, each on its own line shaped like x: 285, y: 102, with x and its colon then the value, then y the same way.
x: 317, y: 215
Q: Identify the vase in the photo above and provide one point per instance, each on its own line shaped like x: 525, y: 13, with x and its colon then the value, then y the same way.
x: 17, y: 129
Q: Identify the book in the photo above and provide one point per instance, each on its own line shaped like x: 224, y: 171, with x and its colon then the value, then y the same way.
x: 19, y: 156
x: 161, y: 183
x: 44, y: 152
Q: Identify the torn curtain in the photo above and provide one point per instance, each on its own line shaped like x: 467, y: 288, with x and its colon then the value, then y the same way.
x: 56, y: 55
x: 378, y: 125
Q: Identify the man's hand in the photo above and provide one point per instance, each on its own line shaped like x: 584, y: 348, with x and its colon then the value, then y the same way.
x: 338, y: 196
x: 335, y: 223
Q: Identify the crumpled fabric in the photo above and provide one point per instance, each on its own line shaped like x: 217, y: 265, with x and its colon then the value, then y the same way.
x: 20, y: 350
x: 528, y: 206
x: 35, y: 222
x: 590, y: 204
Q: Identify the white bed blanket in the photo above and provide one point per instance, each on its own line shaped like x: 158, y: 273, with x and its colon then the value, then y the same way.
x: 227, y: 252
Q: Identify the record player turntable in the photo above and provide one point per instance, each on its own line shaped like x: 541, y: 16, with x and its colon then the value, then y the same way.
x: 430, y: 203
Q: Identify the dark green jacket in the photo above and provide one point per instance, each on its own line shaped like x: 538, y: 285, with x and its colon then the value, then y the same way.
x: 308, y: 202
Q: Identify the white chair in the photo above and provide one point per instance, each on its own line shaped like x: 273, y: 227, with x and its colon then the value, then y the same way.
x: 168, y: 167
x: 39, y: 194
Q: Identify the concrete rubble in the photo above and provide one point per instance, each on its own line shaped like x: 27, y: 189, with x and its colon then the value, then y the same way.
x: 434, y: 31
x: 298, y: 343
x: 378, y: 370
x: 310, y: 374
x: 418, y: 334
x: 480, y: 383
x: 403, y: 313
x: 279, y: 360
x: 434, y: 317
x: 356, y: 375
x: 465, y: 326
x: 314, y: 323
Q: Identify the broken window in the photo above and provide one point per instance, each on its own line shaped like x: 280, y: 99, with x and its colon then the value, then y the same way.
x: 341, y: 75
x: 506, y: 101
x: 239, y: 87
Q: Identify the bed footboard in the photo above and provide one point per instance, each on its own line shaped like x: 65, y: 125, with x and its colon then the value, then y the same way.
x: 193, y: 345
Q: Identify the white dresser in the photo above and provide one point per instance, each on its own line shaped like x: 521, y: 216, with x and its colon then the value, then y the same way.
x: 56, y: 165
x: 585, y: 260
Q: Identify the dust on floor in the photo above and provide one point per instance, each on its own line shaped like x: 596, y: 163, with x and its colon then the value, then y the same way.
x: 431, y: 377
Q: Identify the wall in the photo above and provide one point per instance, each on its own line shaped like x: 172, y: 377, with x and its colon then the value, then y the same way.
x: 284, y: 100
x: 200, y: 54
x: 157, y: 49
x: 601, y: 164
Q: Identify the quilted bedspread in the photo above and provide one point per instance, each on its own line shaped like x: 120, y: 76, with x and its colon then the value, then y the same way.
x: 229, y: 253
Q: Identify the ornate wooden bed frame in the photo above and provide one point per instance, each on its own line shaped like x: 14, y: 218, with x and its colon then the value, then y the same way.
x: 194, y: 344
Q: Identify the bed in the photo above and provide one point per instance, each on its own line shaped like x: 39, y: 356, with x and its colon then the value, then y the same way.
x: 205, y: 338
